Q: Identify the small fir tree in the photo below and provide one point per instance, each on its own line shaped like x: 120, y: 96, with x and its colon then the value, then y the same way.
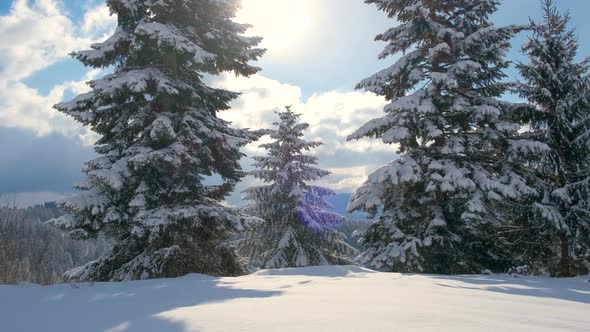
x: 440, y: 200
x: 298, y: 231
x: 160, y: 138
x: 559, y: 89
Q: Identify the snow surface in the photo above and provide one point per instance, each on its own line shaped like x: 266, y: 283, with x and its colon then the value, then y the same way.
x: 329, y: 298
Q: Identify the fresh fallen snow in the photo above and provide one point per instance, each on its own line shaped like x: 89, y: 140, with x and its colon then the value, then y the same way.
x: 336, y: 298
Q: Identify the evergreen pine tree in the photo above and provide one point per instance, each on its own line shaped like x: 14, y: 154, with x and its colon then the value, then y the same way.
x: 559, y: 89
x: 160, y: 138
x: 297, y: 231
x: 440, y: 199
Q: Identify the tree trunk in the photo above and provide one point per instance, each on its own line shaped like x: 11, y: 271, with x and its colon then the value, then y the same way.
x: 564, y: 264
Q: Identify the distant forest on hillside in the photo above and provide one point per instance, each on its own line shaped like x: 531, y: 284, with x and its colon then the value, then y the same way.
x: 31, y: 251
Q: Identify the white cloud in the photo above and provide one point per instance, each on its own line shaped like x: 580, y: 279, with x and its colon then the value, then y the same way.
x: 98, y: 20
x: 332, y: 116
x: 33, y: 36
x: 334, y: 113
x: 346, y: 179
x: 24, y: 107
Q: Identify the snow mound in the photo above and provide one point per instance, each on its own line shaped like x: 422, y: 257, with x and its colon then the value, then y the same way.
x: 325, y: 298
x: 317, y: 271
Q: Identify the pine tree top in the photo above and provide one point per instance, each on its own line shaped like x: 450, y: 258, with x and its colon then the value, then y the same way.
x: 556, y: 83
x: 287, y: 171
x: 286, y: 162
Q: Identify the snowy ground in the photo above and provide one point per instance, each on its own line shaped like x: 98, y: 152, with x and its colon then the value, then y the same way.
x: 308, y: 299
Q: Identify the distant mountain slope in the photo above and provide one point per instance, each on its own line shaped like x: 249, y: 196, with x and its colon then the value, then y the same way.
x: 31, y: 251
x: 340, y: 201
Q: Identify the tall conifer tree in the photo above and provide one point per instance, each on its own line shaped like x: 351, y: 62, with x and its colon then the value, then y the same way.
x: 298, y: 230
x: 160, y: 138
x: 559, y: 89
x: 440, y: 198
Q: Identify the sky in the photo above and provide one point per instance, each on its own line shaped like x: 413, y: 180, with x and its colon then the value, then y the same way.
x: 317, y: 51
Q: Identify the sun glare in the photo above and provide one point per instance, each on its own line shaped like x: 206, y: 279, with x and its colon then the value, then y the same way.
x: 282, y: 23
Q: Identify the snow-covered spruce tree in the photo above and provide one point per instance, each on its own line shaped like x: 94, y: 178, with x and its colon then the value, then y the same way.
x: 160, y: 138
x: 297, y: 231
x: 559, y: 89
x: 440, y: 199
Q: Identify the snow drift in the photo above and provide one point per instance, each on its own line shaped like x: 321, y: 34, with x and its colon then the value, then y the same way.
x: 332, y: 298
